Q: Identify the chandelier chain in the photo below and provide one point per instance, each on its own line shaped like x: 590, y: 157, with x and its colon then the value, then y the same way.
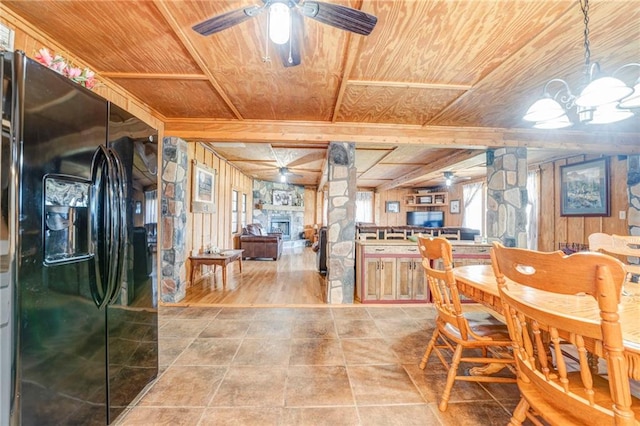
x: 584, y: 5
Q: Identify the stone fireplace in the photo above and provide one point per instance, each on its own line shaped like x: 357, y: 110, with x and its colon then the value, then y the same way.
x: 288, y: 219
x: 281, y: 223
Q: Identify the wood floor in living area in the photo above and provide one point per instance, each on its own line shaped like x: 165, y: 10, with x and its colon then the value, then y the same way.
x: 291, y: 280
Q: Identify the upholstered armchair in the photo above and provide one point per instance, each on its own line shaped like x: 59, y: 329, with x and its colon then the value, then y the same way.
x: 257, y: 243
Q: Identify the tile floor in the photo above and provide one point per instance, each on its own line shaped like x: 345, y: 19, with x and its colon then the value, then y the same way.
x: 333, y: 366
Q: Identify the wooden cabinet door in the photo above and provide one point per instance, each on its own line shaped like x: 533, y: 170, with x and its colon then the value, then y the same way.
x: 387, y: 278
x: 404, y: 278
x: 410, y: 279
x: 420, y: 289
x: 371, y: 279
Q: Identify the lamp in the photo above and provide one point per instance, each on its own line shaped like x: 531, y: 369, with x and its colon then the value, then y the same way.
x: 603, y: 100
x: 279, y: 23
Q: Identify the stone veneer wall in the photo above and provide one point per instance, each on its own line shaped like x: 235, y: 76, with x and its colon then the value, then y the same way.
x: 633, y: 182
x: 341, y: 231
x: 263, y: 195
x: 507, y: 197
x: 174, y: 219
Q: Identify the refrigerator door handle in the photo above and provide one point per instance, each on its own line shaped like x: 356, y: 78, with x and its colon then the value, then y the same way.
x: 101, y: 169
x: 120, y: 225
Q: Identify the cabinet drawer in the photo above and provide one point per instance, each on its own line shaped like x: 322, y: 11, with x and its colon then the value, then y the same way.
x: 482, y: 250
x: 382, y: 250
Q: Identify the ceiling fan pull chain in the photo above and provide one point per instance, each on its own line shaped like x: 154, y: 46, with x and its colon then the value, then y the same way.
x: 290, y: 40
x: 266, y: 57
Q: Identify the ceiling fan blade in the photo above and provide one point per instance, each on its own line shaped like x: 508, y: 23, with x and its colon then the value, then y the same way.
x: 290, y: 52
x: 338, y: 16
x: 226, y: 20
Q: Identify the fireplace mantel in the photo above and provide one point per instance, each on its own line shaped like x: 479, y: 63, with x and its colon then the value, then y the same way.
x: 281, y: 208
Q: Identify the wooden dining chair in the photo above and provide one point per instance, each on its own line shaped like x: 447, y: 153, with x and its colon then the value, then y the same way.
x: 449, y: 234
x: 555, y: 380
x: 627, y: 246
x: 599, y: 241
x: 620, y: 246
x: 395, y: 234
x: 455, y: 333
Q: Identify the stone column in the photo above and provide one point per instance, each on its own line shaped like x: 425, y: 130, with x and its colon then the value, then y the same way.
x: 633, y: 183
x: 341, y: 231
x: 174, y: 219
x: 507, y: 196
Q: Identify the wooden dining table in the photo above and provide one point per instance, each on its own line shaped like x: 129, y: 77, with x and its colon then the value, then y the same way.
x: 478, y: 282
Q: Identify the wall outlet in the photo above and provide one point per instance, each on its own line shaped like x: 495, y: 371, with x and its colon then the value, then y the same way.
x: 622, y: 214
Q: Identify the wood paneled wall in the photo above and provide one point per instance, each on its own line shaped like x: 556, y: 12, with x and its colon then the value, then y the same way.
x: 383, y: 218
x: 215, y: 228
x: 555, y: 229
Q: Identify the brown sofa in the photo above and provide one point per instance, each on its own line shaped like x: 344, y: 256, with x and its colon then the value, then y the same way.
x: 259, y: 244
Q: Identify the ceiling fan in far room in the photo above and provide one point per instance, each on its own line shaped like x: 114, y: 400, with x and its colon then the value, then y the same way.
x: 284, y: 23
x: 450, y: 178
x: 284, y: 173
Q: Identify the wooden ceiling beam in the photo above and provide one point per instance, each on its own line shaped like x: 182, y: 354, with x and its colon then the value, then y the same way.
x: 153, y: 76
x: 432, y: 167
x: 352, y: 48
x: 410, y: 85
x: 302, y: 132
x: 175, y: 27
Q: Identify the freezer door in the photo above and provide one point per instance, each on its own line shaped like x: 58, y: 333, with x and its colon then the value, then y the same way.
x: 7, y: 376
x: 62, y: 333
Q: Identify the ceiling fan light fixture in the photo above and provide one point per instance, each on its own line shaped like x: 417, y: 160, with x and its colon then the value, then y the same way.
x: 448, y: 178
x: 279, y: 23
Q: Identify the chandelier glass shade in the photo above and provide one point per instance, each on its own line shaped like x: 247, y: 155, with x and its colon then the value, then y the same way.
x: 603, y: 100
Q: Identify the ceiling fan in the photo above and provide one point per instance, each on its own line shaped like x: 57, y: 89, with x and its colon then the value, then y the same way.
x: 284, y: 26
x: 450, y: 178
x: 285, y: 173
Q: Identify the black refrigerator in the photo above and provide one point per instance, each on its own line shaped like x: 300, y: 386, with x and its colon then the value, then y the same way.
x: 80, y: 327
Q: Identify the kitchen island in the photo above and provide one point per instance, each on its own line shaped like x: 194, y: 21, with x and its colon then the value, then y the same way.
x: 390, y: 271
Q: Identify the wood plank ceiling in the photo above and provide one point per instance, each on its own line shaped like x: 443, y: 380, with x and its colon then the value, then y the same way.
x: 434, y: 85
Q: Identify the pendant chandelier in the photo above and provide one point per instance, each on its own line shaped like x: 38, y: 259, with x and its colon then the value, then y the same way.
x: 603, y: 100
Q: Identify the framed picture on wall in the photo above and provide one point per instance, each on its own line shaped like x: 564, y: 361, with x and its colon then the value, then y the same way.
x: 281, y: 198
x: 584, y: 188
x: 203, y: 189
x: 454, y: 207
x: 393, y: 207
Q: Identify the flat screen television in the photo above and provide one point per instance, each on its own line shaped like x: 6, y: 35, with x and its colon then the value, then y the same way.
x: 434, y: 219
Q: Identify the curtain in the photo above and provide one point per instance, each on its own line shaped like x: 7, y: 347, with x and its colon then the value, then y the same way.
x: 533, y: 208
x: 364, y: 206
x: 472, y: 212
x: 151, y: 207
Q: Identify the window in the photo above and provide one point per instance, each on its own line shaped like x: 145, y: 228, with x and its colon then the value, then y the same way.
x: 364, y: 206
x: 243, y: 218
x: 151, y: 207
x: 234, y: 211
x: 533, y: 208
x: 474, y: 213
